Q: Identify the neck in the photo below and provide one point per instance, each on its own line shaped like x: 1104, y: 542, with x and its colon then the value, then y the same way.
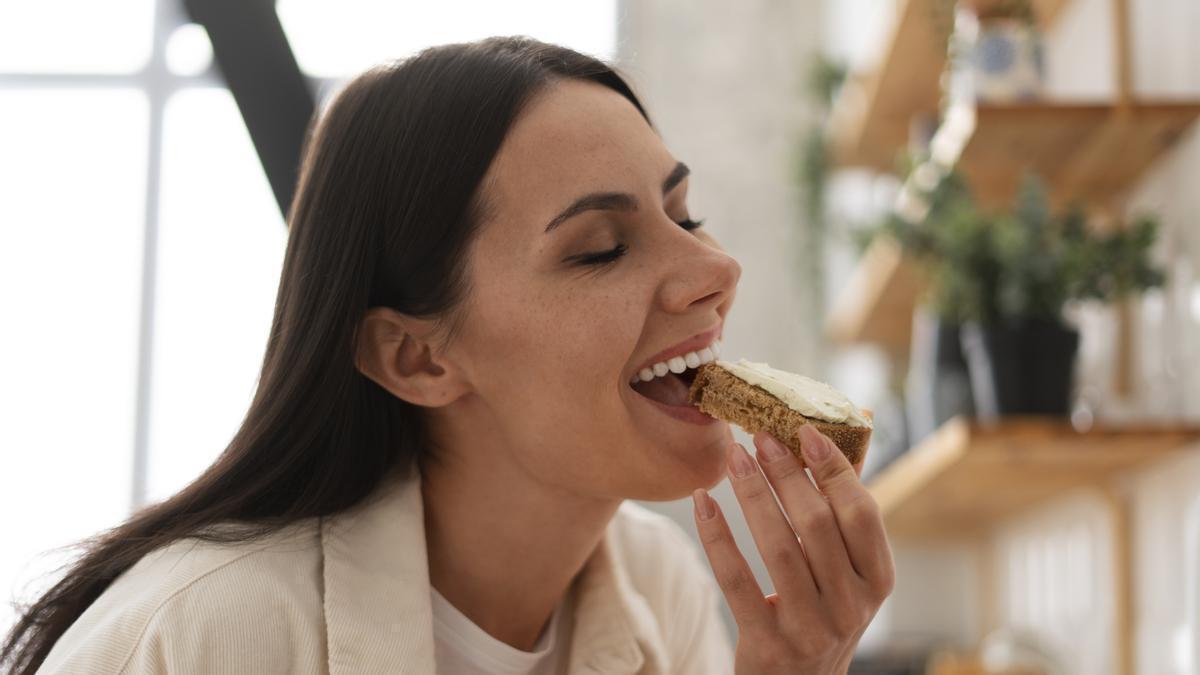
x: 504, y: 548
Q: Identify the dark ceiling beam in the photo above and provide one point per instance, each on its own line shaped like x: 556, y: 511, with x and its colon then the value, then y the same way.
x: 253, y: 55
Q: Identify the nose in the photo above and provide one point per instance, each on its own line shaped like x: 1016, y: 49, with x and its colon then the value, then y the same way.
x: 700, y: 274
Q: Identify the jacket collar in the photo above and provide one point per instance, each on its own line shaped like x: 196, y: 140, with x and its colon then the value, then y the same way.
x: 378, y: 614
x: 378, y: 610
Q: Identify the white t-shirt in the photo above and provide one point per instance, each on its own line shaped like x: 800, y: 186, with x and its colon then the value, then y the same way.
x: 463, y: 648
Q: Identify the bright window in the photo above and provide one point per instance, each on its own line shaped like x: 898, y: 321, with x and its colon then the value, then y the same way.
x: 72, y: 212
x: 75, y: 36
x: 338, y: 39
x: 220, y: 249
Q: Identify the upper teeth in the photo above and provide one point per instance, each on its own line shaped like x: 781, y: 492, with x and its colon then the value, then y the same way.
x: 678, y: 364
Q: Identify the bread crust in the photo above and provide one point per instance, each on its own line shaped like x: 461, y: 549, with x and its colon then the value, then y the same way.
x: 721, y: 394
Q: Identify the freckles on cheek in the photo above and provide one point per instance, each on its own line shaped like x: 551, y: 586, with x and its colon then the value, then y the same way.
x: 495, y: 338
x: 601, y: 337
x: 520, y: 340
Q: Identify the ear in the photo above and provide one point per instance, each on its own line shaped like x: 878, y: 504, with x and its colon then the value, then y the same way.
x: 396, y: 352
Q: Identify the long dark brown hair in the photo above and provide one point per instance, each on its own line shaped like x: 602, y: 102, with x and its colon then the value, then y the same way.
x: 387, y: 202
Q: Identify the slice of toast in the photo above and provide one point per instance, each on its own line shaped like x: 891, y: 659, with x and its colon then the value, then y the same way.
x: 721, y: 394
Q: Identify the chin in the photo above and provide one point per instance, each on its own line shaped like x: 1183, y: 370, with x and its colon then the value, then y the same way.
x: 681, y: 478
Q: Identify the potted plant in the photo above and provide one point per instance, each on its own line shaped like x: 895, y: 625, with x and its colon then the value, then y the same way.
x: 1006, y: 278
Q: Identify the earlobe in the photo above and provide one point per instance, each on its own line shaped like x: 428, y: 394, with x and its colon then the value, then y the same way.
x: 394, y: 351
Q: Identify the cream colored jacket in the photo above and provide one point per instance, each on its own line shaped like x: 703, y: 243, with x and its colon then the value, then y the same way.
x: 350, y: 594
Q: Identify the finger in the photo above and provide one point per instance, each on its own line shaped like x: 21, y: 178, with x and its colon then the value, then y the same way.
x: 856, y: 511
x: 773, y: 535
x: 750, y: 609
x: 811, y: 516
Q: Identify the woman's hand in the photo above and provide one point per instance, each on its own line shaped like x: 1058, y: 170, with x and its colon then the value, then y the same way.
x: 831, y: 564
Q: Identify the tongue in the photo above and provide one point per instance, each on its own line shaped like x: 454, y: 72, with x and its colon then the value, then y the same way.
x: 669, y: 390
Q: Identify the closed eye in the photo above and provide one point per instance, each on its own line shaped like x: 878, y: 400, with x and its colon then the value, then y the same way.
x: 599, y: 259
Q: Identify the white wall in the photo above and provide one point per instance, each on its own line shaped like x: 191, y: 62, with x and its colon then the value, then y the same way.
x: 1054, y: 576
x: 1166, y: 528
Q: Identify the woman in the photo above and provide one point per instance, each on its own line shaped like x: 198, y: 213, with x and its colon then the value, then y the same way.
x: 488, y: 243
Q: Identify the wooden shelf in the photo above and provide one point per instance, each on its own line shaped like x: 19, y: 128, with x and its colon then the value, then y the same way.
x: 1092, y: 153
x: 871, y: 118
x: 877, y: 304
x: 967, y: 477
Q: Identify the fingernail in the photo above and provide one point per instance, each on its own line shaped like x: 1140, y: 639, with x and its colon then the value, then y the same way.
x: 704, y: 505
x: 771, y: 448
x: 812, y: 444
x: 740, y: 463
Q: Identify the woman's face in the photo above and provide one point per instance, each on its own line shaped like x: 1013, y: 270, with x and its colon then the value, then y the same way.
x: 548, y: 342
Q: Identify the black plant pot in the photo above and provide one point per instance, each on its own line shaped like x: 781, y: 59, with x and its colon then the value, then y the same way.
x: 1021, y: 368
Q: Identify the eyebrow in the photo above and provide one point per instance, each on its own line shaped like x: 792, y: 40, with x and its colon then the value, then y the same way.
x: 615, y: 201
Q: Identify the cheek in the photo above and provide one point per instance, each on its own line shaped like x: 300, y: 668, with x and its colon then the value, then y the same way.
x: 551, y: 370
x: 583, y: 330
x: 552, y: 349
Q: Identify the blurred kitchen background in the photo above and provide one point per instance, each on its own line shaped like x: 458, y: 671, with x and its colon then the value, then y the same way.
x: 979, y: 218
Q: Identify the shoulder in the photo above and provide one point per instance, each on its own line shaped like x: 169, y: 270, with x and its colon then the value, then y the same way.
x: 200, y: 606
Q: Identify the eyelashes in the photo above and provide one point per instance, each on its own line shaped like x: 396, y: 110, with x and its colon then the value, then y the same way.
x: 606, y: 257
x: 609, y: 256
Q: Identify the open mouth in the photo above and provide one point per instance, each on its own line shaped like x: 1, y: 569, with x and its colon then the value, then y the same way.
x: 670, y: 389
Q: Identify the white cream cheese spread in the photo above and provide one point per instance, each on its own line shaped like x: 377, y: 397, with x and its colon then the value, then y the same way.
x: 802, y: 394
